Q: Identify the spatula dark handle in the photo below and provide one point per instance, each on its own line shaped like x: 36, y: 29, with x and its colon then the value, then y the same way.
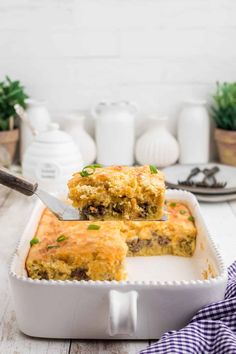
x: 19, y: 183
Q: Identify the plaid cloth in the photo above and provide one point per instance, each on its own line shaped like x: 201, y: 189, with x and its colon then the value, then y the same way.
x: 211, y: 331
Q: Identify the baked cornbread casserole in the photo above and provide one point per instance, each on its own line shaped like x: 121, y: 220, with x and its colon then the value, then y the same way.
x: 118, y: 192
x: 84, y: 250
x: 76, y: 250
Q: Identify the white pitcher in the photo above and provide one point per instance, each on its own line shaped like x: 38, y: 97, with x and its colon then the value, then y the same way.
x: 36, y: 120
x: 194, y: 133
x: 74, y: 125
x: 114, y: 129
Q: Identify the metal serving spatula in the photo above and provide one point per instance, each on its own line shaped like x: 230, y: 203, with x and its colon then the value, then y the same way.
x: 20, y: 184
x: 61, y: 210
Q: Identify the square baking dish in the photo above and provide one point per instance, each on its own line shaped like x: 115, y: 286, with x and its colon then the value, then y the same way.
x: 162, y: 293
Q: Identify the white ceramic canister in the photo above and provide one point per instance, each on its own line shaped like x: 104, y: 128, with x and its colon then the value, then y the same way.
x: 157, y: 146
x: 194, y: 133
x: 74, y: 125
x: 114, y: 126
x: 51, y: 159
x: 38, y: 118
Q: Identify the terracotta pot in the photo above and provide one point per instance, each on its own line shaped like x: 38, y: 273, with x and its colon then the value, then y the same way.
x: 226, y: 145
x: 8, y: 140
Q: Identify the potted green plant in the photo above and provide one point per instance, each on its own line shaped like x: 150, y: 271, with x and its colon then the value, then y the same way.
x: 224, y: 115
x: 11, y: 93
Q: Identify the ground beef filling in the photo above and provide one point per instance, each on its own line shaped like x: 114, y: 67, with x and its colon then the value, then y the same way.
x: 43, y: 275
x: 136, y: 245
x: 186, y: 246
x: 93, y: 211
x: 76, y: 274
x: 143, y: 210
x: 163, y: 240
x: 79, y: 274
x: 116, y: 208
x: 100, y: 210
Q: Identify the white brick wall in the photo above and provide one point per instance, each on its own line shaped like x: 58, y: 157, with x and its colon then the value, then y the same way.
x: 74, y: 53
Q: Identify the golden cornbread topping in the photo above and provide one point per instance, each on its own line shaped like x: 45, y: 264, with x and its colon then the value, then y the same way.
x: 75, y: 250
x: 118, y: 192
x: 69, y: 250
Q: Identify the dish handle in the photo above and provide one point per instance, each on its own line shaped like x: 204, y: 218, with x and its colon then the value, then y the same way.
x: 122, y: 312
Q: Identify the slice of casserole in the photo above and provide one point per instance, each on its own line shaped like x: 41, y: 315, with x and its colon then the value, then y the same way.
x: 175, y: 236
x: 76, y: 251
x: 118, y: 192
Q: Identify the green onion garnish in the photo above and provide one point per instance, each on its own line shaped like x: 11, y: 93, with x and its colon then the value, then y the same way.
x: 153, y: 169
x: 93, y: 227
x: 89, y: 170
x: 191, y: 218
x: 182, y: 212
x: 52, y: 246
x: 172, y: 205
x: 62, y: 238
x: 34, y: 241
x: 95, y: 165
x: 86, y: 172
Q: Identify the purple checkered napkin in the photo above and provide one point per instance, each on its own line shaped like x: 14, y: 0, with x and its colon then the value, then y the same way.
x: 211, y: 331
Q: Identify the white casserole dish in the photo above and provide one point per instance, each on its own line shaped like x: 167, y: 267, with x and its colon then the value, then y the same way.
x: 162, y: 292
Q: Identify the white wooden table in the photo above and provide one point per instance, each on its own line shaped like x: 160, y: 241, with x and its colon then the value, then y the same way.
x: 14, y: 212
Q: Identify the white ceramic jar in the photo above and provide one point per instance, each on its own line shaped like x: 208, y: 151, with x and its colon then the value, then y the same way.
x: 51, y: 159
x: 38, y: 118
x: 75, y: 127
x: 114, y: 126
x: 157, y: 146
x: 194, y: 133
